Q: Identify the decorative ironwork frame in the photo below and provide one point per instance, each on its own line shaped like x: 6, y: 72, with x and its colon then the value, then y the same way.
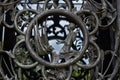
x: 57, y: 40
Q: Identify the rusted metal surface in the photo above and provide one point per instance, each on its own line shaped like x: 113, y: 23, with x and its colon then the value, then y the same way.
x: 56, y: 40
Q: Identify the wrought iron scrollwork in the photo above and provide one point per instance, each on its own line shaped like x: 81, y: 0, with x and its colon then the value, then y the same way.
x: 90, y: 19
x: 23, y: 19
x: 105, y: 11
x: 67, y: 43
x: 57, y: 40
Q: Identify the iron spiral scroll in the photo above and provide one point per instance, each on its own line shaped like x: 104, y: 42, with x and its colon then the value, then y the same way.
x: 57, y: 40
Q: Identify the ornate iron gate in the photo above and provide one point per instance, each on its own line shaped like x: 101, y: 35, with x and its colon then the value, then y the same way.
x: 58, y: 40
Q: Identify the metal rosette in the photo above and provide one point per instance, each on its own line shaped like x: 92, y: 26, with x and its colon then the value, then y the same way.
x: 38, y: 31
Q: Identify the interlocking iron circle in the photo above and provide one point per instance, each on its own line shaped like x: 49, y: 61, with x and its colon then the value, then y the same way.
x: 90, y: 19
x: 92, y: 56
x: 22, y: 56
x: 59, y: 60
x: 23, y: 19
